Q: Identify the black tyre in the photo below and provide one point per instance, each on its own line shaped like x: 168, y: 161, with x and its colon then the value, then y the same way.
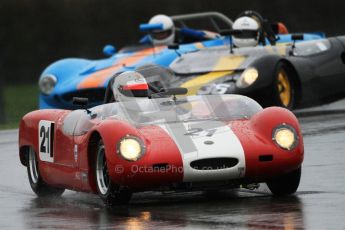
x: 35, y: 180
x: 286, y: 184
x: 109, y: 192
x: 284, y: 87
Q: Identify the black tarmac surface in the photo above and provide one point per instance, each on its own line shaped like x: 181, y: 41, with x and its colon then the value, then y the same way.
x: 318, y: 204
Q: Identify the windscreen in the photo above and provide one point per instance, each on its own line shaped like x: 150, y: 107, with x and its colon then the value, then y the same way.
x: 312, y: 47
x: 193, y: 108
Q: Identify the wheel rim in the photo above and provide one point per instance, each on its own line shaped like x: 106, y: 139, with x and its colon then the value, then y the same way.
x: 284, y: 88
x: 102, y: 171
x: 33, y: 167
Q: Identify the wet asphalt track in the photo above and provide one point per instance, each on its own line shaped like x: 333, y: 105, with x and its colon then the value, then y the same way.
x: 318, y: 204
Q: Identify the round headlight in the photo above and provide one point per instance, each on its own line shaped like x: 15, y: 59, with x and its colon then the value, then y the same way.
x: 285, y: 136
x: 247, y: 78
x: 131, y: 148
x: 47, y: 84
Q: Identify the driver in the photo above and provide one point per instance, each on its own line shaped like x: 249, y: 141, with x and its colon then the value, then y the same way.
x: 132, y: 93
x: 130, y: 85
x: 249, y: 36
x: 166, y: 35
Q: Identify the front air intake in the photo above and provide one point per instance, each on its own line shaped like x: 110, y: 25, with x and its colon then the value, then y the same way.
x: 214, y: 163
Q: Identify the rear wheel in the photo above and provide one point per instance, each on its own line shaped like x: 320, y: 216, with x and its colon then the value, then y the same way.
x: 109, y: 192
x: 284, y: 87
x: 35, y: 180
x: 286, y: 184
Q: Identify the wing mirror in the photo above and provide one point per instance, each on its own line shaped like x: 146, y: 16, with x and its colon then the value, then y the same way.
x: 174, y: 91
x: 109, y: 50
x: 297, y: 37
x: 230, y: 32
x: 170, y: 92
x: 173, y: 46
x: 82, y: 102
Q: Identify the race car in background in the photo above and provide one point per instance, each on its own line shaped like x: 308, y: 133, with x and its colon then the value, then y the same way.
x: 165, y: 143
x: 292, y: 75
x: 67, y: 78
x: 71, y: 77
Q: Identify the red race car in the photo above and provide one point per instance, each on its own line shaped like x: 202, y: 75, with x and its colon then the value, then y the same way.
x: 150, y: 140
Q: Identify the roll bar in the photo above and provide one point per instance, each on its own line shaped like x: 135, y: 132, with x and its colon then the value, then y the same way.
x: 211, y: 15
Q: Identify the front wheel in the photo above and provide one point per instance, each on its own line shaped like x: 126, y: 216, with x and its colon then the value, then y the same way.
x: 284, y: 87
x: 286, y: 184
x: 35, y: 180
x: 109, y: 192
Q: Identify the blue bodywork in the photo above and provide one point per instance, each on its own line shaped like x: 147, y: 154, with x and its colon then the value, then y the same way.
x: 71, y: 73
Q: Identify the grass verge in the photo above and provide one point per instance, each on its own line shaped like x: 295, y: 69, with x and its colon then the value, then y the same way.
x: 19, y: 100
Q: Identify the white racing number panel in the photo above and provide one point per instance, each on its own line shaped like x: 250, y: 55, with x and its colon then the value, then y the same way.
x: 191, y: 137
x: 46, y: 140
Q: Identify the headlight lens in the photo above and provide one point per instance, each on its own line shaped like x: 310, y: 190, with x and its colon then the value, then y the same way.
x: 47, y: 84
x: 131, y: 148
x: 285, y: 136
x: 247, y: 78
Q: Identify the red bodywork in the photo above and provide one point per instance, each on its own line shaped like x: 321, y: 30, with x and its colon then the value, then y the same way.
x: 70, y: 172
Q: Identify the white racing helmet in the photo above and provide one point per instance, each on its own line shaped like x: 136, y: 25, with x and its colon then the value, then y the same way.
x: 166, y: 35
x: 249, y: 36
x: 130, y: 85
x: 131, y: 92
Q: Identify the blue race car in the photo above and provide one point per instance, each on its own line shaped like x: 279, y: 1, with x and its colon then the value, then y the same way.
x: 76, y: 77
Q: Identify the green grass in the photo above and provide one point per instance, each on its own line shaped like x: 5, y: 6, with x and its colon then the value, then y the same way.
x: 19, y: 100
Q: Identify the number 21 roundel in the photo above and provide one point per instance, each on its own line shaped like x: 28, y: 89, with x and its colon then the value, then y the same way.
x: 46, y: 140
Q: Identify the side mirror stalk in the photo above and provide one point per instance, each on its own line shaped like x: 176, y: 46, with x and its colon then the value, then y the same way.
x: 175, y: 47
x: 231, y: 33
x: 294, y: 38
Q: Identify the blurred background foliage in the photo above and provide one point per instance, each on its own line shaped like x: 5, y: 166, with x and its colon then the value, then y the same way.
x: 35, y: 33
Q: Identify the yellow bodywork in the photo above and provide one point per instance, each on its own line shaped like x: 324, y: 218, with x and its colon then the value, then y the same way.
x: 231, y: 62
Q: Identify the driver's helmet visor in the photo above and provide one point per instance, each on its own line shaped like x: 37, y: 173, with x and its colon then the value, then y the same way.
x: 138, y: 90
x: 246, y: 34
x: 161, y: 35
